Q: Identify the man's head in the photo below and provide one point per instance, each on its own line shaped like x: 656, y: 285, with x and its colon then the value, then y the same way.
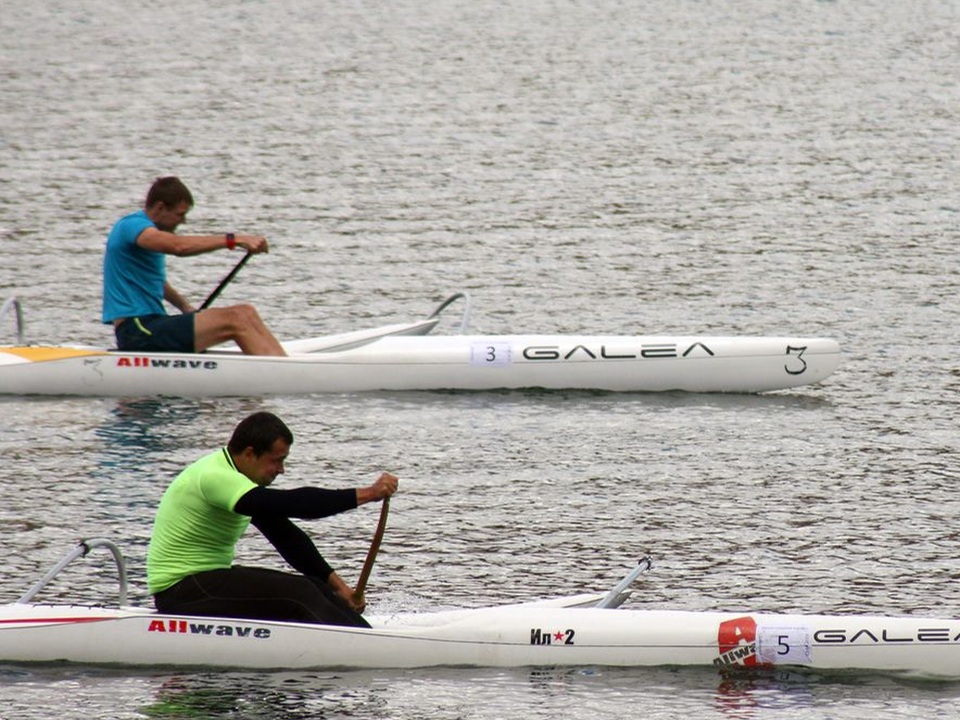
x: 259, y: 445
x: 168, y: 202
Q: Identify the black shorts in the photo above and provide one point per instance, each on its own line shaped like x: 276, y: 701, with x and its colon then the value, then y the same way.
x: 258, y: 594
x: 164, y: 333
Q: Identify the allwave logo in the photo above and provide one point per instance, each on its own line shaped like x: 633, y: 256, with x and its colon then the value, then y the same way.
x: 166, y: 363
x: 737, y: 642
x: 190, y: 627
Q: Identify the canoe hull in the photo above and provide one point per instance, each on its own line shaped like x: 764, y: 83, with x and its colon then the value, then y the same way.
x: 619, y: 364
x: 512, y: 636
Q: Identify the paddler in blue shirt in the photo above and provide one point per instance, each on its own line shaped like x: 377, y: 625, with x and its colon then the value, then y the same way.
x: 135, y: 282
x: 206, y: 509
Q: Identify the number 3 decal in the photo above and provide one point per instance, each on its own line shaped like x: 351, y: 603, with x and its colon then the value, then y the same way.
x: 490, y: 354
x: 795, y: 355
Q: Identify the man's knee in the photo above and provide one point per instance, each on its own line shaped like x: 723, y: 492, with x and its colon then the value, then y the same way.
x: 243, y: 316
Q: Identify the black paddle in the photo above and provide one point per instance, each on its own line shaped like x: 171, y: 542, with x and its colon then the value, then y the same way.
x: 225, y: 281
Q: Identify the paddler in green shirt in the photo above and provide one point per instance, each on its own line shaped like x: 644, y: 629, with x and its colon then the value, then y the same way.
x: 207, y: 507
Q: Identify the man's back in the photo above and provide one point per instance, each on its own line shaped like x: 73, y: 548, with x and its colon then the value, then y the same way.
x: 132, y: 277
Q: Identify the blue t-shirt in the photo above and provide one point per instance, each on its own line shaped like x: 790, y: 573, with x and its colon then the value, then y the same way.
x: 133, y: 277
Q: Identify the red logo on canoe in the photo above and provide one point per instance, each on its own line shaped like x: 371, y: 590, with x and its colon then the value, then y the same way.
x: 737, y: 642
x: 165, y: 363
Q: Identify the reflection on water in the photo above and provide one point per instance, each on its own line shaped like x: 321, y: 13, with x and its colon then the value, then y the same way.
x: 137, y: 431
x: 537, y: 693
x: 548, y: 693
x: 265, y: 696
x: 562, y: 399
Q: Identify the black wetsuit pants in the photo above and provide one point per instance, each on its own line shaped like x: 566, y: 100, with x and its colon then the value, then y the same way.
x: 258, y: 594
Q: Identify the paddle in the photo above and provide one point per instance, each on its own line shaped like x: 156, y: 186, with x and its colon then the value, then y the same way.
x: 225, y: 281
x: 372, y: 552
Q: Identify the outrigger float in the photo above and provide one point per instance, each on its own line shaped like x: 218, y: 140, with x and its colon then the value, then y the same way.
x: 580, y: 630
x: 405, y: 356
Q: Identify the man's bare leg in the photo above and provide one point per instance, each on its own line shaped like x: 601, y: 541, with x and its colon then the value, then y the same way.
x: 240, y: 323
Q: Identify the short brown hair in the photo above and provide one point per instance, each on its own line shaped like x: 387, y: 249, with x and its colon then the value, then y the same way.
x: 259, y: 431
x: 170, y: 191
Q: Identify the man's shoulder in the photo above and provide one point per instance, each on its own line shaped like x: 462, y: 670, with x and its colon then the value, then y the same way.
x: 215, y: 479
x: 216, y: 465
x: 211, y: 460
x: 129, y: 227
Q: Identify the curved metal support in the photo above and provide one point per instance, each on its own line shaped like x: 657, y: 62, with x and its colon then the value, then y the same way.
x: 465, y: 320
x: 84, y: 547
x: 15, y: 304
x: 615, y: 597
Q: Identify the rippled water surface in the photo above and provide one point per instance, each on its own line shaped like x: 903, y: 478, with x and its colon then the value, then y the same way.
x: 755, y: 167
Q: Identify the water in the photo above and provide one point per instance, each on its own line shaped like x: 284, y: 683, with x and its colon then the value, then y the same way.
x: 727, y: 167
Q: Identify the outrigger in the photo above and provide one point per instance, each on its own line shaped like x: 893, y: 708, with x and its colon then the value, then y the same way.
x: 578, y: 630
x: 404, y: 356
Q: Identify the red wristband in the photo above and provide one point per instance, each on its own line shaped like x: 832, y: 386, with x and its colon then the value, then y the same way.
x: 231, y: 241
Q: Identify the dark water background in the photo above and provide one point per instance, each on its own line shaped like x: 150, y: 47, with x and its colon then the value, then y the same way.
x: 732, y: 167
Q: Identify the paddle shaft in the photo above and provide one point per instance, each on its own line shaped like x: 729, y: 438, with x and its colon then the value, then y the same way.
x: 225, y: 281
x: 372, y: 552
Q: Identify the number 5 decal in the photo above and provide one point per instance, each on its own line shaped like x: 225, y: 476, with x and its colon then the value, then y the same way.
x: 783, y: 647
x: 784, y: 644
x: 796, y: 365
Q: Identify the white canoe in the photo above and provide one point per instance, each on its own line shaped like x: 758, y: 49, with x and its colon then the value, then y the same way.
x: 405, y: 357
x: 508, y: 636
x: 571, y: 631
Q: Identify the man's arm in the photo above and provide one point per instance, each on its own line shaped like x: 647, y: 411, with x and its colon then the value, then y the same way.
x: 173, y: 297
x: 294, y: 545
x: 311, y: 503
x: 305, y: 503
x: 185, y: 245
x: 270, y: 510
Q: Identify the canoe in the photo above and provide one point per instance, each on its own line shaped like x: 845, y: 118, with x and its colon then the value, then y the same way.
x: 549, y: 633
x: 580, y: 630
x: 404, y: 356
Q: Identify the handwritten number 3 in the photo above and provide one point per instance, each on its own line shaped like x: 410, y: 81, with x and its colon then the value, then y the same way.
x: 799, y: 353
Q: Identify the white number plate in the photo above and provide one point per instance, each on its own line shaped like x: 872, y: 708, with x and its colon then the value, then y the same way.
x: 490, y: 354
x: 783, y: 644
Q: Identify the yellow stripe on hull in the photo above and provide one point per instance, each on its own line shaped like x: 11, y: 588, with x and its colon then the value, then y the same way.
x: 45, y: 354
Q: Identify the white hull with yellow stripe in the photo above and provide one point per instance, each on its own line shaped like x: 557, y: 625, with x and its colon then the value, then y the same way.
x: 462, y: 362
x: 406, y: 357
